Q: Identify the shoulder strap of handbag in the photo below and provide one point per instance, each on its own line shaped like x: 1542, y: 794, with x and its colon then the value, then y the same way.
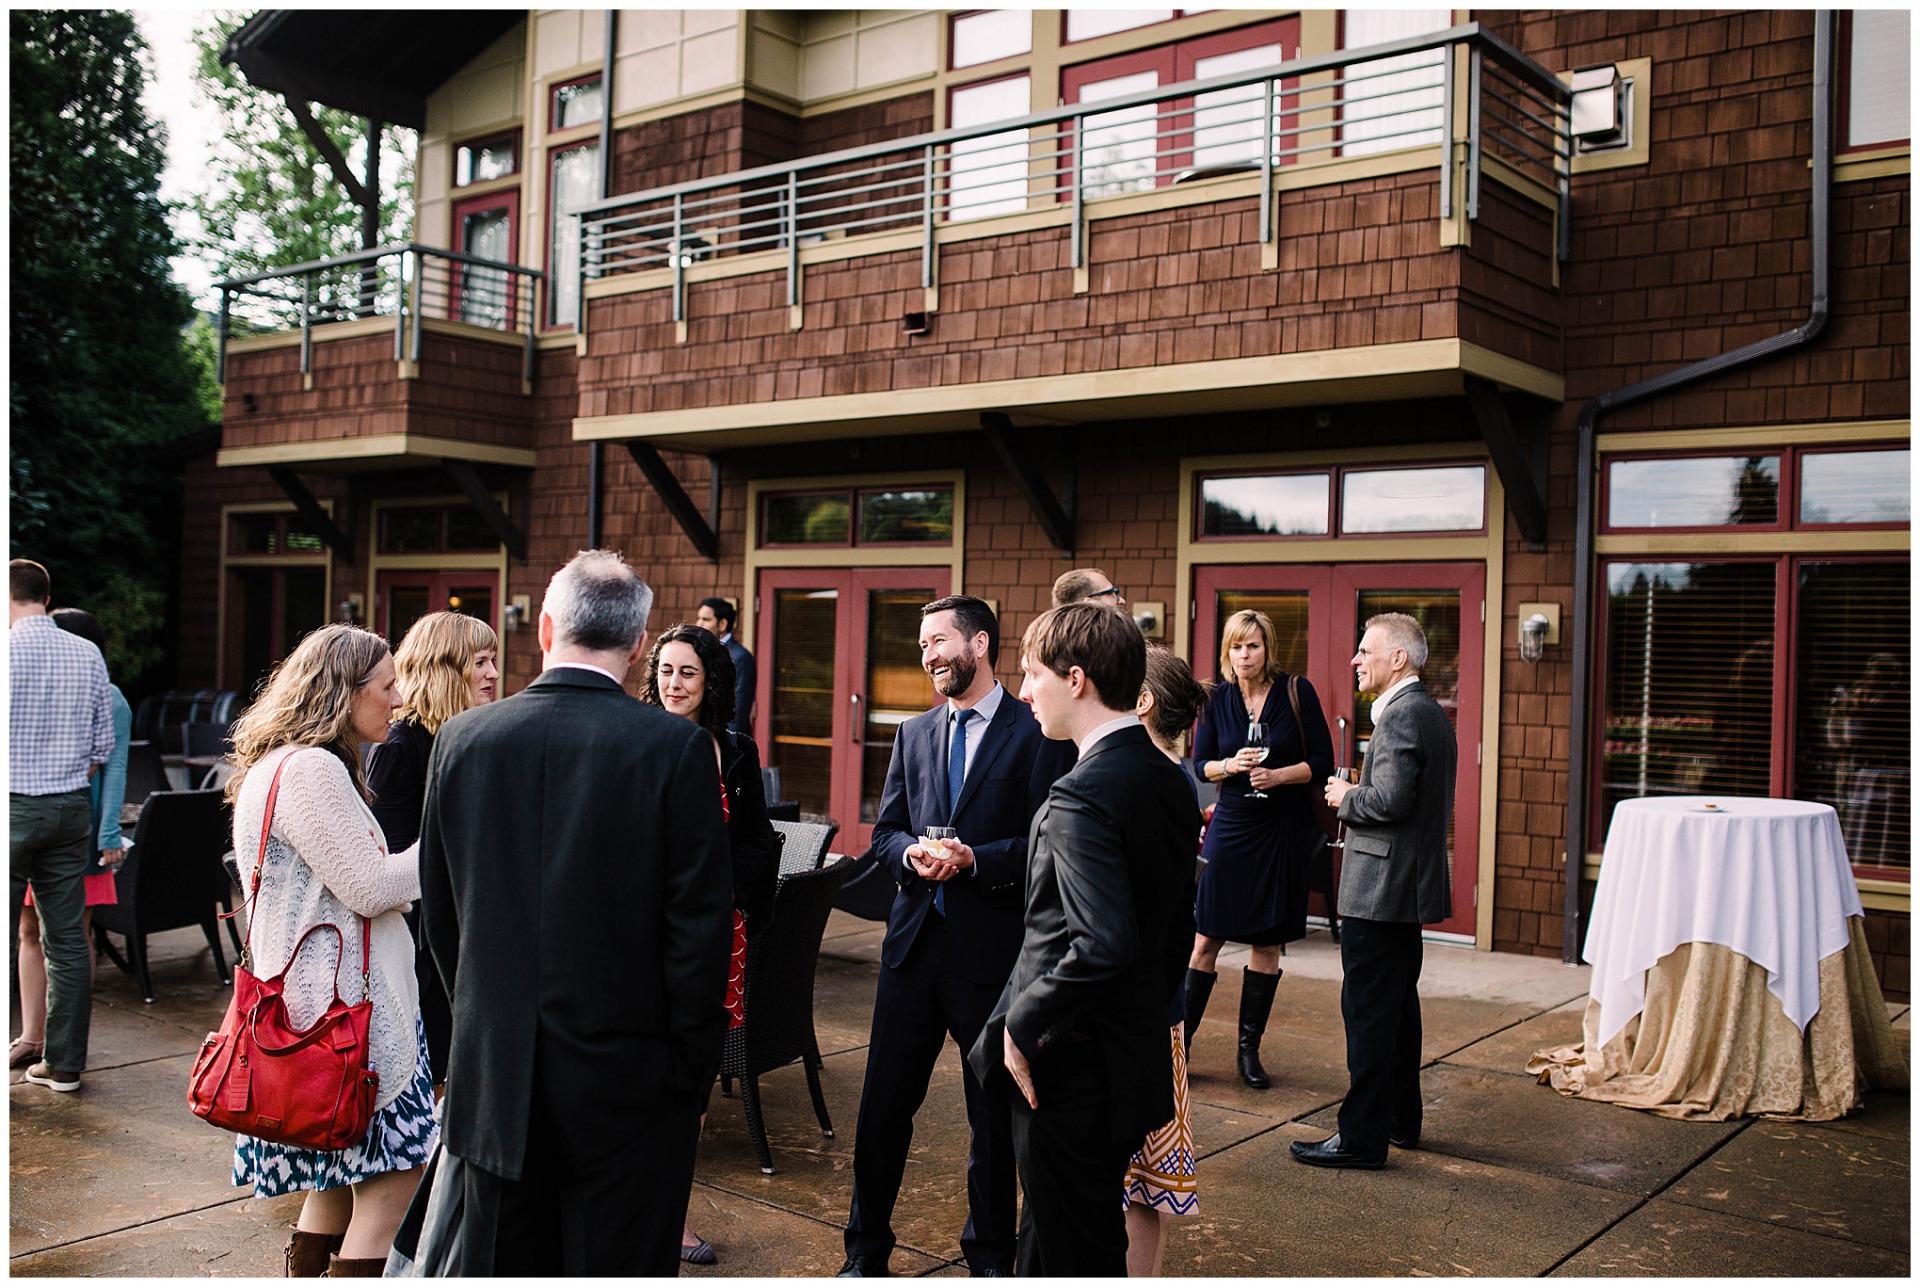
x: 253, y: 895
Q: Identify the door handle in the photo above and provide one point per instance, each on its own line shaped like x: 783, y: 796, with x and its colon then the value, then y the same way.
x: 853, y: 734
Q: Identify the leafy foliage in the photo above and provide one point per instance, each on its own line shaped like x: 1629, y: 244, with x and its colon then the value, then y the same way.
x: 100, y: 375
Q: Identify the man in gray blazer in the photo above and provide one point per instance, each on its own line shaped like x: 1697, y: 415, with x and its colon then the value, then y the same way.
x: 1396, y: 878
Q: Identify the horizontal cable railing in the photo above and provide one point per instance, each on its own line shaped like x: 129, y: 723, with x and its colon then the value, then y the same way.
x: 405, y: 282
x: 1353, y: 103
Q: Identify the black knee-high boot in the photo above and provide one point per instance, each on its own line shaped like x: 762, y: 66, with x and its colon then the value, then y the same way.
x: 1256, y: 1003
x: 1199, y: 988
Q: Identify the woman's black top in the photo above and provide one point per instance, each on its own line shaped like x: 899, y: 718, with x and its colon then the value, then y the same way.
x: 755, y: 874
x: 397, y: 776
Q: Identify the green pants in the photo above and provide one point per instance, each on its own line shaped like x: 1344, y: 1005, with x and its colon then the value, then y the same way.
x: 51, y: 843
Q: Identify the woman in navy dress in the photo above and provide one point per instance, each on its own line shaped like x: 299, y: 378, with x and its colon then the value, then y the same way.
x: 1254, y: 888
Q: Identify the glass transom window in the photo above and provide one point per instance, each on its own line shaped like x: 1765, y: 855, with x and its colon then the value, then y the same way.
x: 1703, y: 491
x: 990, y: 35
x: 846, y: 516
x: 1451, y: 498
x: 1266, y: 505
x: 1856, y: 487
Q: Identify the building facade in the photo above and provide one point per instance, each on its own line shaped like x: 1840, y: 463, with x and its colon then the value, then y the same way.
x: 1583, y: 336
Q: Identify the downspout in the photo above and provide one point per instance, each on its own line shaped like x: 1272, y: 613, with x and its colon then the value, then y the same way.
x: 596, y: 451
x: 1583, y: 643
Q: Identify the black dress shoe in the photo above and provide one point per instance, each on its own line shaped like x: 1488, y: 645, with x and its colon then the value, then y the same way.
x: 1404, y: 1141
x: 1331, y: 1152
x: 859, y: 1266
x: 988, y: 1273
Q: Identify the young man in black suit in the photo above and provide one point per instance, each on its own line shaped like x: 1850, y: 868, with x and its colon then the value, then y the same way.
x: 1395, y: 880
x: 976, y: 763
x: 717, y: 615
x: 576, y: 890
x: 1082, y: 1024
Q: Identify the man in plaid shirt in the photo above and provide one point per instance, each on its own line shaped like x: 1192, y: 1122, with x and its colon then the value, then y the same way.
x: 61, y: 733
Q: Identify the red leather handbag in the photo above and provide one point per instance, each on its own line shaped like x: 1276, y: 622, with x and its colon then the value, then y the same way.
x: 261, y: 1076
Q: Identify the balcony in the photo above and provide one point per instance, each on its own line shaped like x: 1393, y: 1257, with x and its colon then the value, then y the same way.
x: 1386, y: 221
x: 405, y: 354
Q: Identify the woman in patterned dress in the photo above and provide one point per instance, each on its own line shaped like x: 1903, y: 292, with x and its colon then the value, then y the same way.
x: 1161, y: 1178
x: 326, y: 863
x: 690, y: 674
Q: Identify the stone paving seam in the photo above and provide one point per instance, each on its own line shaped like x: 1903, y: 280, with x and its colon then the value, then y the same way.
x: 1642, y: 1202
x: 129, y: 1228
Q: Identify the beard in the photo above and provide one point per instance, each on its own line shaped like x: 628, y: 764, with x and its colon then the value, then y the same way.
x: 960, y: 673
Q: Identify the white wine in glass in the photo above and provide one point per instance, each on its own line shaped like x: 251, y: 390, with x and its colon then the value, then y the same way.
x: 1257, y: 740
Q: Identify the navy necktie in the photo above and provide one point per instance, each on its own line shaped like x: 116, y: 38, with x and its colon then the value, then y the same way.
x: 956, y: 779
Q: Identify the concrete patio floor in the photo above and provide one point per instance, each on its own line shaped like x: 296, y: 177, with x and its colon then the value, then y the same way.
x: 1510, y: 1180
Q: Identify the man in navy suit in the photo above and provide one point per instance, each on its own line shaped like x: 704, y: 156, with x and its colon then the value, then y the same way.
x: 717, y: 615
x: 977, y: 763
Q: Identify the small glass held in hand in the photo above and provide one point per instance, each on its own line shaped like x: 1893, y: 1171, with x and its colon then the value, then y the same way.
x: 1257, y: 741
x: 1349, y: 776
x: 935, y: 841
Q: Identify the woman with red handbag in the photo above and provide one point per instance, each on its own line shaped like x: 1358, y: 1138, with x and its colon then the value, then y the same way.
x: 300, y: 812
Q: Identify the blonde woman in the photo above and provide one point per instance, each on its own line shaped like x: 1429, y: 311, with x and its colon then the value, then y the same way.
x: 448, y: 663
x: 1254, y: 889
x: 326, y: 864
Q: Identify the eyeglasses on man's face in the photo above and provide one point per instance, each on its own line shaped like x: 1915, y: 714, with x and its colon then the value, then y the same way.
x: 1113, y: 590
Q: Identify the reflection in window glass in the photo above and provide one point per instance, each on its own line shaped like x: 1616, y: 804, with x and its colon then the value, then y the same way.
x: 1856, y: 487
x: 1272, y: 505
x: 906, y: 516
x: 1085, y: 24
x: 299, y: 542
x: 993, y: 33
x: 256, y: 534
x: 811, y: 519
x: 577, y: 104
x: 1451, y: 498
x: 988, y: 175
x: 485, y: 293
x: 1393, y: 102
x: 1710, y: 491
x: 410, y: 531
x: 576, y: 182
x: 478, y: 162
x: 1119, y: 151
x: 1226, y: 122
x: 1880, y: 77
x: 1689, y: 695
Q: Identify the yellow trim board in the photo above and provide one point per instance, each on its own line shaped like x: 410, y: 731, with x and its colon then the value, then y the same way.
x: 1677, y: 545
x: 376, y: 450
x: 1741, y: 437
x: 355, y: 330
x: 1415, y: 368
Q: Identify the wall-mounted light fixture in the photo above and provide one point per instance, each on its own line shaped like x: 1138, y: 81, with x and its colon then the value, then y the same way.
x: 1151, y: 618
x: 353, y: 610
x: 1539, y: 625
x: 688, y: 250
x: 249, y: 403
x: 916, y: 323
x: 514, y: 615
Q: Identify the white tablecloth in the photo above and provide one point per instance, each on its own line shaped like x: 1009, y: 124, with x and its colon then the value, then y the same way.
x: 1767, y: 878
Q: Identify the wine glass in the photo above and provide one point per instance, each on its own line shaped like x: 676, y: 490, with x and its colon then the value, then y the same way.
x: 936, y: 839
x: 1345, y: 775
x: 1257, y: 739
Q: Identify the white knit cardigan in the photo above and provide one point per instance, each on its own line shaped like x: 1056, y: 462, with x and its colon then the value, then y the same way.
x: 327, y: 864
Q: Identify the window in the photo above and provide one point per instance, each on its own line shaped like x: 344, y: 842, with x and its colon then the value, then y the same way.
x: 1087, y: 24
x: 1424, y: 498
x: 841, y: 517
x: 486, y: 159
x: 1392, y: 102
x: 1876, y: 77
x: 270, y: 534
x: 578, y: 102
x: 486, y: 227
x: 435, y: 530
x: 575, y: 182
x: 990, y: 35
x: 1789, y: 489
x: 276, y: 592
x: 988, y: 175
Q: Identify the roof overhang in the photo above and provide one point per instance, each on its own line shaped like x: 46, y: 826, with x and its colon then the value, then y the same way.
x: 361, y: 454
x: 380, y: 64
x: 1374, y: 373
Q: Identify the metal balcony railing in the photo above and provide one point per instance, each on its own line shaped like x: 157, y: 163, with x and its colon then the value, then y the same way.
x: 1351, y: 103
x: 406, y: 282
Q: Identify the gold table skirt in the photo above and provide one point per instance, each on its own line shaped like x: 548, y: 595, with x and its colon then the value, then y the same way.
x: 1712, y: 1043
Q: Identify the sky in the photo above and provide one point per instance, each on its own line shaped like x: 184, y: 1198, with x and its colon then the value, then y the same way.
x: 192, y: 126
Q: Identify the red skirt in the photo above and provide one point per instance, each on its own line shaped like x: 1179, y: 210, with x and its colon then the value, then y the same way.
x: 737, y: 973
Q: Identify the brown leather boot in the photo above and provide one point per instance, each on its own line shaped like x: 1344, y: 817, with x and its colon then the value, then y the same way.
x: 373, y: 1267
x: 307, y: 1253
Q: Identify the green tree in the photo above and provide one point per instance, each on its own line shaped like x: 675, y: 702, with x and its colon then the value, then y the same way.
x: 100, y: 377
x: 268, y: 199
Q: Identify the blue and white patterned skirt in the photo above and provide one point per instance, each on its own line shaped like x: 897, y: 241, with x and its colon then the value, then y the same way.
x: 401, y: 1138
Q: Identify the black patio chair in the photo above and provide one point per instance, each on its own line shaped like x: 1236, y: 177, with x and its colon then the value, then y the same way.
x: 805, y: 844
x: 172, y: 878
x: 146, y: 771
x: 779, y: 1000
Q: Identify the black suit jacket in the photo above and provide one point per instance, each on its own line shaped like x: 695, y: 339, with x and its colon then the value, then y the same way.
x: 756, y: 876
x: 1011, y: 773
x: 576, y: 886
x: 746, y: 675
x: 1111, y: 867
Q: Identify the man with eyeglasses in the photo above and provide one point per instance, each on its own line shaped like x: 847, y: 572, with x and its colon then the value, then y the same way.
x: 1087, y: 583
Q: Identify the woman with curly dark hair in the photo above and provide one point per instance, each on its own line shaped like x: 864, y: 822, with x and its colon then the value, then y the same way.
x: 690, y: 674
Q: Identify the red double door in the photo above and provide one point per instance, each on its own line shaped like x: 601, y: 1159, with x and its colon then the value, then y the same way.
x: 1319, y: 614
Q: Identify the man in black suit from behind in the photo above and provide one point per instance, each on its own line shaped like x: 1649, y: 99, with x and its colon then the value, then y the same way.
x: 1394, y: 880
x: 1082, y: 1024
x: 717, y: 615
x: 576, y: 890
x: 978, y: 764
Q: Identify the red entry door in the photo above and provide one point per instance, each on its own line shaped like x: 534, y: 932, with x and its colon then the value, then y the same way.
x: 405, y: 597
x: 839, y: 655
x: 1320, y: 612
